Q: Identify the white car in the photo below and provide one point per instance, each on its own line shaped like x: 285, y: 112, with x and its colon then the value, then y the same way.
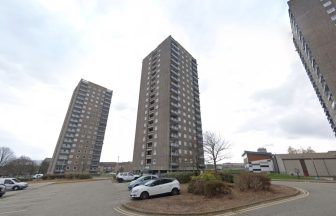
x: 37, y: 176
x: 156, y: 187
x: 126, y: 176
x: 13, y: 184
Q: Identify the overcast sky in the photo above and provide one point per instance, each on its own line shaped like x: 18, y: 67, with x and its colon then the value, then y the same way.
x: 253, y: 88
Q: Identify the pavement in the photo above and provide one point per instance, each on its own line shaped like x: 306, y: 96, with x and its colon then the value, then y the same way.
x: 71, y: 199
x: 104, y: 198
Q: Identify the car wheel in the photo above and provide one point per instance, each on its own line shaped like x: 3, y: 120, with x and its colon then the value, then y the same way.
x: 16, y: 188
x: 144, y: 195
x: 1, y: 195
x: 175, y: 191
x: 120, y: 180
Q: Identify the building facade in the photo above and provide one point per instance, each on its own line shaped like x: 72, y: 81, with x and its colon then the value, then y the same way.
x: 259, y: 161
x: 310, y: 164
x: 169, y: 127
x: 80, y: 142
x: 313, y: 24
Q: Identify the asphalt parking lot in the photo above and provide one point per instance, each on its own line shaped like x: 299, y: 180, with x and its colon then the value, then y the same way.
x: 82, y: 199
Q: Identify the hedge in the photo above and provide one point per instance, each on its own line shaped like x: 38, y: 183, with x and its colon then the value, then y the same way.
x: 66, y: 176
x: 182, y: 177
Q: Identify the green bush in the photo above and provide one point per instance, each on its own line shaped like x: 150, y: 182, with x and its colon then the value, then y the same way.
x: 215, y: 188
x: 226, y: 177
x: 66, y: 176
x: 255, y: 181
x: 182, y: 177
x: 206, y: 176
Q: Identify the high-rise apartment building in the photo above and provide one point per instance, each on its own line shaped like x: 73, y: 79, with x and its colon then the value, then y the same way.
x: 169, y: 127
x: 313, y: 25
x: 80, y: 142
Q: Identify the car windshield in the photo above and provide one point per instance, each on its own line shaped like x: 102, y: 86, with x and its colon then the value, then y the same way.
x: 15, y: 180
x: 149, y: 182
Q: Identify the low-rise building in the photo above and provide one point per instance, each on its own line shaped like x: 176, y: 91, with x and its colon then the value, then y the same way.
x: 310, y: 164
x: 306, y: 164
x: 260, y: 161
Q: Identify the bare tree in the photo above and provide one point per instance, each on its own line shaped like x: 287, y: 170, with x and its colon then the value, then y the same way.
x: 215, y: 147
x: 22, y: 166
x: 6, y: 155
x: 301, y: 150
x: 44, y: 166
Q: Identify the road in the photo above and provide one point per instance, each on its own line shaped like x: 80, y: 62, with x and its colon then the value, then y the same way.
x: 70, y: 199
x: 321, y: 201
x: 101, y: 197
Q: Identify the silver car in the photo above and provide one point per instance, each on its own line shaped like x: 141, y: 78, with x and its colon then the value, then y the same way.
x: 13, y: 184
x: 140, y: 181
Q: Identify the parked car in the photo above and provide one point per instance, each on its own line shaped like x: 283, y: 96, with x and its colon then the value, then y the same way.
x: 2, y: 189
x: 13, y: 184
x: 126, y: 176
x: 156, y: 187
x: 37, y: 176
x: 141, y: 181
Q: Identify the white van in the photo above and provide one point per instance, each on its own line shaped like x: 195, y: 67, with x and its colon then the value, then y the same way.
x: 13, y: 184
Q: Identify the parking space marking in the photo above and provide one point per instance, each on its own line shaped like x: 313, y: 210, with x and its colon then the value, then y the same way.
x: 11, y: 212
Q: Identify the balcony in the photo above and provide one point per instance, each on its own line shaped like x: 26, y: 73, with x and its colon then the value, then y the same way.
x: 174, y: 97
x: 173, y: 144
x: 175, y: 113
x: 174, y: 135
x: 65, y: 146
x: 174, y: 104
x: 174, y: 78
x: 176, y: 154
x: 174, y: 128
x: 176, y: 85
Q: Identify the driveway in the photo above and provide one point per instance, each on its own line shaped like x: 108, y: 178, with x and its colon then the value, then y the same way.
x: 71, y: 199
x: 102, y: 197
x: 321, y: 201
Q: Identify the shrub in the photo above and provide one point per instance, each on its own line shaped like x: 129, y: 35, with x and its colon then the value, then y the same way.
x: 182, y: 177
x: 216, y: 187
x: 256, y: 181
x: 196, y: 186
x: 66, y: 176
x: 206, y: 176
x: 208, y: 188
x: 226, y: 177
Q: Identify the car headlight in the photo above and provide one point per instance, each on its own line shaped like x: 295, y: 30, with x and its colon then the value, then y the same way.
x: 134, y: 191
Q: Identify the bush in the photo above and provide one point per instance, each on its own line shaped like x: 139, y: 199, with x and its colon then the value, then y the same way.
x: 208, y: 188
x: 215, y: 188
x: 66, y: 176
x: 226, y: 177
x: 256, y: 181
x: 196, y: 186
x: 206, y: 176
x: 182, y: 177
